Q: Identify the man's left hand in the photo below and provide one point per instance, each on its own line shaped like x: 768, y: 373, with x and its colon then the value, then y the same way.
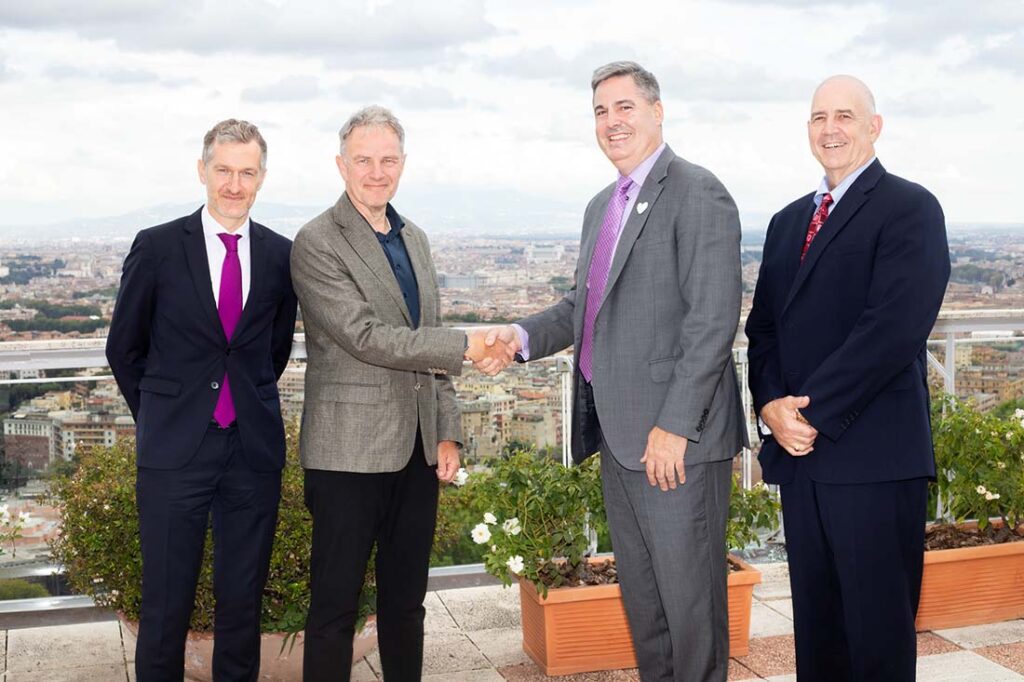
x: 664, y: 458
x: 447, y: 460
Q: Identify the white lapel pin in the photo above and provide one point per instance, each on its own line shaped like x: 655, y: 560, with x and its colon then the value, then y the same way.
x: 641, y: 207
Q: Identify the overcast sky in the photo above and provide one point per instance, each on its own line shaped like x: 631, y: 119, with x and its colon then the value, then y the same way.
x: 104, y: 103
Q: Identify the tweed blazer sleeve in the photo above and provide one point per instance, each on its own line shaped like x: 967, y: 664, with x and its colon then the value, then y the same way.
x: 330, y: 296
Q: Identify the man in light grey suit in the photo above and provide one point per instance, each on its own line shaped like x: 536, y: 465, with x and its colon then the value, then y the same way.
x: 380, y: 423
x: 653, y: 316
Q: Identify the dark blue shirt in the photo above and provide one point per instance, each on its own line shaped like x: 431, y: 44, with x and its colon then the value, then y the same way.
x: 398, y: 257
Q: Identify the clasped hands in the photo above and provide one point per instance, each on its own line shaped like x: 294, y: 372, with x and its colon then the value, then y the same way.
x: 492, y: 350
x: 788, y: 426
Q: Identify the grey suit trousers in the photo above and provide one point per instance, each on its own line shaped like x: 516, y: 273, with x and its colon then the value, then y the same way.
x: 670, y: 551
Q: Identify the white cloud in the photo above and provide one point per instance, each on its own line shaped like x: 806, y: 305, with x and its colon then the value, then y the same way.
x: 288, y: 89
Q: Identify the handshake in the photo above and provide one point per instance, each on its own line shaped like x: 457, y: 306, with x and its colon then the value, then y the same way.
x: 492, y: 350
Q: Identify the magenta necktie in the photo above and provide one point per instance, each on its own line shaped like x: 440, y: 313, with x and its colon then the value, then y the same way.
x: 600, y: 264
x: 229, y: 306
x: 816, y: 222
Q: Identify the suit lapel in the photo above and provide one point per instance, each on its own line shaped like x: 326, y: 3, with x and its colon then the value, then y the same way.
x: 361, y: 238
x: 419, y: 255
x: 257, y: 270
x: 635, y: 222
x: 852, y: 200
x: 199, y: 268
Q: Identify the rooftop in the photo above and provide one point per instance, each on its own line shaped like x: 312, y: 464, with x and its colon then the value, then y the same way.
x: 473, y: 635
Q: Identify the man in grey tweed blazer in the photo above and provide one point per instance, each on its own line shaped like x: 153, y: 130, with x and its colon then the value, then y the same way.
x: 380, y: 424
x: 652, y: 316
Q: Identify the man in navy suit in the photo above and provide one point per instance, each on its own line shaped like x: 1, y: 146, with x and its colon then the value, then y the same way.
x: 202, y: 330
x: 851, y: 282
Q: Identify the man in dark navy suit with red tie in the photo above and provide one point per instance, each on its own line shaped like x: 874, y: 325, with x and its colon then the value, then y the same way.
x: 851, y: 282
x: 202, y: 329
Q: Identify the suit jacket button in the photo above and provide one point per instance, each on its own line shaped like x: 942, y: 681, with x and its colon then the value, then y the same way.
x: 214, y: 385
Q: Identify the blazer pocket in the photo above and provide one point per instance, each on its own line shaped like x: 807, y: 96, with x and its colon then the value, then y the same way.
x: 661, y: 369
x: 161, y: 386
x: 267, y: 391
x: 351, y: 393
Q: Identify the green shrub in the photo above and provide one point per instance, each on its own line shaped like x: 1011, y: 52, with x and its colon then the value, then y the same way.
x: 534, y: 513
x: 99, y: 541
x: 21, y: 589
x: 979, y: 461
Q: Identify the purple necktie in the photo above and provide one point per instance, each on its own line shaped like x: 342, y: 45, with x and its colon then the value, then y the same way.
x: 600, y: 264
x: 229, y: 306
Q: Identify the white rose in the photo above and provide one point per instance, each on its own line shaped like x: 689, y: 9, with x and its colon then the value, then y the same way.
x: 461, y: 476
x: 490, y: 519
x: 1018, y: 413
x: 481, y: 533
x: 512, y: 527
x: 981, y: 490
x: 515, y: 564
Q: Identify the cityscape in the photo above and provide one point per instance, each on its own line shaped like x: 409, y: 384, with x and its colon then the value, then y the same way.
x: 62, y: 292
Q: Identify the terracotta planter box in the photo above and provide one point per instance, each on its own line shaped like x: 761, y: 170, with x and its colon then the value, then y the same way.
x: 582, y: 629
x: 972, y: 585
x: 275, y: 665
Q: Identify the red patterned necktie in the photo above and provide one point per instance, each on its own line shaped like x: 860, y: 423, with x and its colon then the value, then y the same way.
x: 816, y: 222
x: 229, y: 307
x: 597, y: 275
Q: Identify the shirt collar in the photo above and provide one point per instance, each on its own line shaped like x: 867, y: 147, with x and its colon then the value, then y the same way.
x: 640, y: 173
x: 841, y: 188
x: 394, y: 220
x: 211, y: 228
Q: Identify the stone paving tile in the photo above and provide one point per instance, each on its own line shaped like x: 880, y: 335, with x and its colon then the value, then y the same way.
x: 1007, y: 655
x: 483, y: 608
x: 438, y: 619
x: 765, y: 622
x: 740, y: 673
x: 771, y: 656
x: 466, y: 676
x: 128, y: 642
x: 782, y: 606
x: 774, y: 581
x: 92, y: 673
x: 47, y: 648
x: 502, y: 646
x: 962, y: 666
x: 361, y: 672
x: 531, y: 673
x: 990, y: 634
x: 929, y: 644
x: 448, y: 653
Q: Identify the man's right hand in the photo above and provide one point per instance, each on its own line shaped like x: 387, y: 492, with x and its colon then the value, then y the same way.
x: 500, y: 336
x: 488, y: 356
x: 789, y: 428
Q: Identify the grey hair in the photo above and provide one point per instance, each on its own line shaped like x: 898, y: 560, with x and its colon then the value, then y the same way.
x: 643, y: 78
x: 233, y: 130
x: 373, y: 115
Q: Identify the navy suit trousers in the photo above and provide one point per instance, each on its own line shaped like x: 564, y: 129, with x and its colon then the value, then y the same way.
x: 175, y: 506
x: 856, y: 553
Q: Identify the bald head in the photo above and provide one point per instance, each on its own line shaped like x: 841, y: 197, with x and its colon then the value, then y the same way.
x: 850, y: 85
x: 843, y: 126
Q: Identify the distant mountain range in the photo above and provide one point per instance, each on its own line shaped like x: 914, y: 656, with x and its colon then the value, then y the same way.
x: 484, y: 214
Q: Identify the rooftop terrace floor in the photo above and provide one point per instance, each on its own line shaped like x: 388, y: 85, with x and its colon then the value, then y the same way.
x: 473, y: 635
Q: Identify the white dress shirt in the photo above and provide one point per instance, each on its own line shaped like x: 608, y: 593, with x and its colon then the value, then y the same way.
x: 215, y: 252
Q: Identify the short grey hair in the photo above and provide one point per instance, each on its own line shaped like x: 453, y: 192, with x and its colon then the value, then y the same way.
x: 643, y: 78
x: 233, y: 130
x: 373, y: 115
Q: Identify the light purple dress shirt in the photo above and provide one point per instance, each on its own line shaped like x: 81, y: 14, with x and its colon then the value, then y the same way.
x: 638, y: 176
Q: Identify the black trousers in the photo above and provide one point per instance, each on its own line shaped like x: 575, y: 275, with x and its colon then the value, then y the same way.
x: 352, y: 512
x: 856, y: 553
x: 174, y: 511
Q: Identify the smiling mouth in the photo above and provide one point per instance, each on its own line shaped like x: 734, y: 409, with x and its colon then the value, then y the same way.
x: 618, y: 137
x: 834, y: 145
